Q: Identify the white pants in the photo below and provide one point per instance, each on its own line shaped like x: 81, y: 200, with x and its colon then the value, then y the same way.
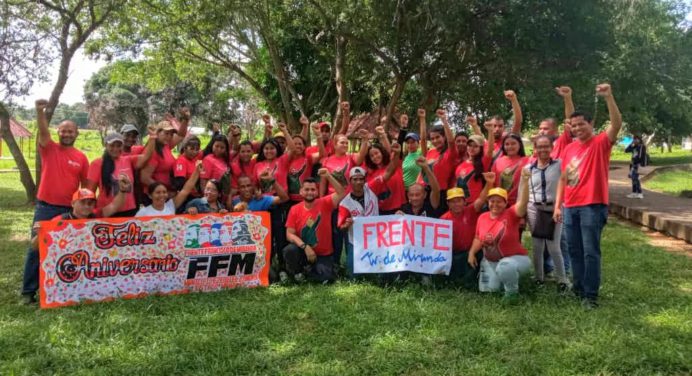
x: 505, y: 272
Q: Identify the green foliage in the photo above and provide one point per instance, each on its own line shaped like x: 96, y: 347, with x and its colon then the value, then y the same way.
x: 671, y: 182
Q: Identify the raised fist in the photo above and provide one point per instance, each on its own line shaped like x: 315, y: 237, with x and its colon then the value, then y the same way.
x: 283, y: 127
x: 421, y: 161
x: 403, y: 121
x: 421, y: 112
x: 315, y: 128
x: 198, y: 166
x: 215, y: 127
x: 266, y: 119
x: 363, y: 133
x: 345, y: 106
x: 471, y: 120
x: 323, y: 172
x: 184, y: 113
x: 488, y: 125
x: 604, y: 90
x: 489, y: 177
x: 379, y: 130
x: 304, y: 120
x: 41, y: 105
x: 510, y: 95
x: 235, y: 130
x: 396, y: 148
x: 442, y: 114
x: 564, y: 91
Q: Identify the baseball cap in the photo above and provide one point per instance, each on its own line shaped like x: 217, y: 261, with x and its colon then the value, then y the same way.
x: 412, y: 135
x: 478, y: 139
x: 454, y: 193
x: 357, y: 171
x: 83, y: 194
x: 165, y: 125
x: 279, y: 135
x: 498, y: 192
x: 112, y: 137
x: 324, y: 124
x: 128, y: 128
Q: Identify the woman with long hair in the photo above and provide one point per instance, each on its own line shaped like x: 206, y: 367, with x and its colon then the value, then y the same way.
x: 163, y: 202
x: 104, y: 172
x: 442, y: 156
x: 300, y: 162
x: 377, y: 161
x: 469, y: 174
x: 507, y: 168
x: 215, y: 161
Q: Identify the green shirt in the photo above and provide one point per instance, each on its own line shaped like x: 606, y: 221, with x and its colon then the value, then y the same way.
x: 410, y: 168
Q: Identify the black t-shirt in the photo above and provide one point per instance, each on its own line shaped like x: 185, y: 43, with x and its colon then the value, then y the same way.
x: 359, y: 199
x: 427, y: 211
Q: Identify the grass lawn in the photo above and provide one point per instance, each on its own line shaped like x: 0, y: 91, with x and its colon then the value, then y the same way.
x: 677, y: 156
x: 644, y: 325
x: 670, y: 182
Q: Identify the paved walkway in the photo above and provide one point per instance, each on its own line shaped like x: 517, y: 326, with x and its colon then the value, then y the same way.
x: 667, y: 214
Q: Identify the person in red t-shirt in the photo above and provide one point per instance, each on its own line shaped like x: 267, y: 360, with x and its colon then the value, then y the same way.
x: 169, y: 133
x: 498, y: 124
x: 464, y: 219
x: 549, y: 127
x: 104, y: 172
x: 185, y: 165
x: 469, y: 173
x: 583, y: 188
x: 309, y: 232
x: 442, y: 156
x: 215, y: 162
x: 300, y: 163
x: 64, y: 169
x: 377, y: 160
x: 508, y: 167
x: 130, y: 135
x: 242, y: 164
x: 497, y: 234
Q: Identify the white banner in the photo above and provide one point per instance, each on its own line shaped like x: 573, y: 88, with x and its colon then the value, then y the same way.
x: 395, y: 243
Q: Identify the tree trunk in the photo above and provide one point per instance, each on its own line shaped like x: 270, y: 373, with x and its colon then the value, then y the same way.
x: 396, y: 95
x: 339, y: 79
x: 670, y: 143
x: 24, y: 171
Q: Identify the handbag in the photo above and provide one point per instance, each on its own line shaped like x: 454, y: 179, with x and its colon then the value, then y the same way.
x: 543, y: 226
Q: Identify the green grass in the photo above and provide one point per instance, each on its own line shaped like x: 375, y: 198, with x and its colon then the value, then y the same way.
x: 670, y: 182
x: 643, y: 327
x: 658, y: 158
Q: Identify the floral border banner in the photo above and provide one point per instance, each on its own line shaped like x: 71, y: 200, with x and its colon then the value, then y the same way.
x: 95, y: 260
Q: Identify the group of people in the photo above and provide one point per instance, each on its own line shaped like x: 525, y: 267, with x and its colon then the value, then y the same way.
x: 483, y: 182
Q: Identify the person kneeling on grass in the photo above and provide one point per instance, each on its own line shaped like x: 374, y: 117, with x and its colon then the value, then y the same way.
x: 84, y: 207
x: 161, y: 204
x: 497, y: 234
x: 464, y: 218
x: 309, y: 230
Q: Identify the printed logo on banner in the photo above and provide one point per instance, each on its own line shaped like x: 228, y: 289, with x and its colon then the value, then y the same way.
x: 103, y: 259
x: 395, y: 243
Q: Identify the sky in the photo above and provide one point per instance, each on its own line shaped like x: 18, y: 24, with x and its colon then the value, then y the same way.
x: 81, y: 69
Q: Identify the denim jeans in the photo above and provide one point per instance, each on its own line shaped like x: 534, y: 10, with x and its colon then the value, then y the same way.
x: 564, y: 248
x: 338, y: 237
x: 634, y: 175
x: 584, y: 225
x: 43, y: 212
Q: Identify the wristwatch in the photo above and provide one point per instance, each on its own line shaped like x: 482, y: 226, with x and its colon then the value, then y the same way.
x: 303, y: 246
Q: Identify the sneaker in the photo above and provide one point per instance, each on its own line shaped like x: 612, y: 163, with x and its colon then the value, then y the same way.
x: 29, y: 299
x: 550, y: 276
x: 632, y: 195
x: 300, y: 277
x: 283, y: 276
x: 510, y: 298
x: 589, y: 304
x: 563, y: 288
x: 640, y: 196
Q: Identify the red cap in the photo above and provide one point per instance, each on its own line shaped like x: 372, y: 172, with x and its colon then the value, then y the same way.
x: 324, y: 124
x: 83, y: 194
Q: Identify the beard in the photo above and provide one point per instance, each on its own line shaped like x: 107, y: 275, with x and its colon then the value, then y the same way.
x: 309, y: 199
x: 64, y: 141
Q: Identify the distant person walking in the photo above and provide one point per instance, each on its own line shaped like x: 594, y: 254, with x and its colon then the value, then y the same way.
x: 639, y: 158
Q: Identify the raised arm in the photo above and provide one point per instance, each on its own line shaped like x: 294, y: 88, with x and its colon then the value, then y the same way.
x: 181, y: 196
x: 566, y: 93
x: 403, y: 129
x: 491, y: 140
x: 516, y: 110
x: 124, y: 187
x: 523, y: 199
x: 382, y: 137
x: 290, y: 146
x: 281, y: 195
x: 394, y: 161
x: 473, y: 122
x: 184, y: 122
x: 442, y: 114
x: 605, y: 91
x: 304, y: 127
x: 489, y: 178
x: 432, y: 181
x: 345, y: 118
x: 364, y: 146
x: 42, y: 121
x: 322, y: 151
x: 339, y: 191
x: 267, y: 126
x: 143, y: 158
x: 423, y: 132
x: 234, y: 137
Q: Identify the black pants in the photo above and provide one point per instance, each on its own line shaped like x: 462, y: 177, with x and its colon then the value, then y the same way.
x: 279, y: 215
x: 321, y: 270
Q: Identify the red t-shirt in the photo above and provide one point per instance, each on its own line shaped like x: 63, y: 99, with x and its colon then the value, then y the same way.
x: 278, y: 168
x: 239, y: 169
x: 463, y: 228
x: 314, y: 226
x: 134, y: 150
x: 339, y: 167
x: 499, y: 236
x: 395, y: 193
x: 560, y: 144
x: 586, y: 165
x: 213, y: 167
x: 328, y: 148
x: 184, y: 168
x: 507, y: 174
x: 442, y: 166
x: 163, y: 166
x: 123, y: 165
x: 465, y: 179
x: 64, y: 168
x: 299, y: 169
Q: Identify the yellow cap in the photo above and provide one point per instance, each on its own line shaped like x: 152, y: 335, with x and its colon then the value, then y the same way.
x: 279, y: 135
x: 454, y: 193
x: 498, y: 192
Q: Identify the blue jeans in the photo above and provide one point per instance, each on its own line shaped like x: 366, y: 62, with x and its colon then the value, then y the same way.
x: 634, y: 175
x: 564, y: 248
x: 584, y: 225
x: 43, y: 212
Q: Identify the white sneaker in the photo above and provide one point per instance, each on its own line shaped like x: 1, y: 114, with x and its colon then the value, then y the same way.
x: 632, y: 195
x: 640, y: 195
